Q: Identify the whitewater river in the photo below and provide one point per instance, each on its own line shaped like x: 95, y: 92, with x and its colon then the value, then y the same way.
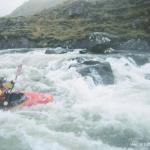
x: 83, y: 116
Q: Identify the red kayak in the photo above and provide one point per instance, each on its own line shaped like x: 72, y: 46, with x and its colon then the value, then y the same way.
x: 33, y: 98
x: 27, y: 99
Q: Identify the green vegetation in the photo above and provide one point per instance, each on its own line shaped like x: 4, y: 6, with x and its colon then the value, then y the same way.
x: 76, y: 19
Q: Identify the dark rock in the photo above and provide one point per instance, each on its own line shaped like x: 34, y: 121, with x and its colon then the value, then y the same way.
x: 147, y: 76
x: 79, y: 60
x: 22, y: 42
x: 50, y: 52
x: 101, y: 73
x: 100, y: 48
x: 101, y: 42
x: 140, y: 60
x: 95, y: 42
x: 82, y: 43
x: 83, y: 51
x: 58, y: 50
x: 135, y: 45
x: 91, y: 62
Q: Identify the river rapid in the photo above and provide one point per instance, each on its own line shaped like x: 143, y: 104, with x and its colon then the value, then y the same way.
x: 84, y: 115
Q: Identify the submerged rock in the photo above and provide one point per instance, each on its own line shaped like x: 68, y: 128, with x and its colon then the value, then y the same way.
x: 147, y: 76
x: 139, y: 60
x: 101, y: 73
x: 91, y: 62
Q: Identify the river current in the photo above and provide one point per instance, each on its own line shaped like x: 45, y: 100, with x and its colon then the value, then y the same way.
x: 83, y: 116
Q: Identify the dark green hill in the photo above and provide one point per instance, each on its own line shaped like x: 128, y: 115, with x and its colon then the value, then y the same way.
x: 72, y: 23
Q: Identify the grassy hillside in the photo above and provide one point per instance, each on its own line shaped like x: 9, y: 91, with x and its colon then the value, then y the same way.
x: 74, y: 20
x: 32, y: 7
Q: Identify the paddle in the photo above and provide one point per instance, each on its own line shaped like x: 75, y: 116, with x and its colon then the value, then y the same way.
x: 18, y: 72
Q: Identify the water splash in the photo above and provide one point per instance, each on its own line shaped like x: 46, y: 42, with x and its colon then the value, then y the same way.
x: 84, y: 116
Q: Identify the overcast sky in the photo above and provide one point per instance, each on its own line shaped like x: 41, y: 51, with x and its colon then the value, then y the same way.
x: 7, y: 6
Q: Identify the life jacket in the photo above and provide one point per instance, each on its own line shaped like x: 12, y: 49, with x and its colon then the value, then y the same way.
x: 8, y: 85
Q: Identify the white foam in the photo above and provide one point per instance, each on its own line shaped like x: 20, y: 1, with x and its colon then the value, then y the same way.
x: 81, y: 111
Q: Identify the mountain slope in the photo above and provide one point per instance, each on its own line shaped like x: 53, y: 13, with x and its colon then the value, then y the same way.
x: 73, y: 22
x: 34, y: 6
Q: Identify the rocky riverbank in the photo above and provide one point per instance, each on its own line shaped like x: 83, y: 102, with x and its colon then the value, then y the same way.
x: 97, y: 26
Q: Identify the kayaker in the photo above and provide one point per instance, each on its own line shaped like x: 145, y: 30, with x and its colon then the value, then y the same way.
x: 8, y: 86
x: 5, y: 89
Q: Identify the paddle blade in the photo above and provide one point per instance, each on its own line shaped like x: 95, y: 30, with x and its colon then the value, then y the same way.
x: 19, y: 71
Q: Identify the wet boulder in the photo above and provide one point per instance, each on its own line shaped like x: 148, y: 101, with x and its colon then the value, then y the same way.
x: 83, y: 51
x: 140, y: 59
x: 91, y: 62
x: 100, y: 48
x: 101, y: 42
x: 95, y: 42
x: 58, y: 50
x: 100, y: 72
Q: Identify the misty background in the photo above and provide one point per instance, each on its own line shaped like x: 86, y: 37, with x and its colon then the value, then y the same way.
x: 7, y: 6
x: 26, y: 7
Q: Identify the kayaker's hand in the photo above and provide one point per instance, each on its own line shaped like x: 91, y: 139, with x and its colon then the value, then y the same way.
x: 5, y: 103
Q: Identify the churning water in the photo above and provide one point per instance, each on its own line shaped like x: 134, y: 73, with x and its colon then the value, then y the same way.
x: 84, y: 116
